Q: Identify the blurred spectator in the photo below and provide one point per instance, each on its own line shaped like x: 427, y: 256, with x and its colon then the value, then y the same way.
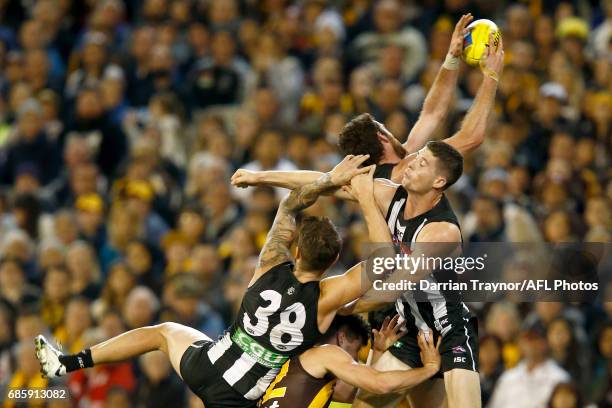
x: 27, y: 373
x: 107, y: 142
x: 159, y: 387
x: 56, y: 290
x: 531, y: 382
x: 82, y: 263
x: 491, y: 365
x: 183, y: 295
x: 30, y: 146
x: 565, y: 395
x: 388, y: 21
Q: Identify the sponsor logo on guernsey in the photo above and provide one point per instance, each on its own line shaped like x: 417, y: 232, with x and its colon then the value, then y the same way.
x: 258, y: 352
x: 458, y: 350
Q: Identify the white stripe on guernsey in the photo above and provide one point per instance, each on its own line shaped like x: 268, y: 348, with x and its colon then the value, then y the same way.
x: 418, y: 318
x: 262, y: 385
x: 416, y: 233
x: 240, y: 367
x: 394, y: 214
x: 468, y: 344
x: 219, y: 348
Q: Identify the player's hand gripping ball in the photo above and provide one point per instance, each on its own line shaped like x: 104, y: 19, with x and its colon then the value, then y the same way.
x: 476, y: 41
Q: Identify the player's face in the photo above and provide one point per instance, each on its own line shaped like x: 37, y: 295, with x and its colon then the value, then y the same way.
x: 421, y: 175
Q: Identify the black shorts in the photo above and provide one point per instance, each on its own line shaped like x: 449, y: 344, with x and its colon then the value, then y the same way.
x: 459, y: 348
x: 206, y: 382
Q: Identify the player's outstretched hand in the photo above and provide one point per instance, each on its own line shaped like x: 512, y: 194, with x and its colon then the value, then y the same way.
x: 348, y: 168
x: 430, y: 354
x: 244, y: 178
x: 362, y: 185
x: 493, y: 64
x: 456, y: 45
x: 389, y: 333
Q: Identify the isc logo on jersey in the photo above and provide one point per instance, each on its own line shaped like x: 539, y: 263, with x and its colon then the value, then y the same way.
x: 261, y: 354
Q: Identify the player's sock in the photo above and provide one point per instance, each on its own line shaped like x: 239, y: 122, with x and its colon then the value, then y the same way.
x: 77, y: 361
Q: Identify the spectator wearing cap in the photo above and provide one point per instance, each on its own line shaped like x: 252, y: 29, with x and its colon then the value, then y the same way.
x: 90, y: 219
x: 30, y: 145
x: 531, y: 382
x: 573, y: 33
x: 547, y: 119
x: 139, y: 197
x: 106, y: 141
x: 112, y: 90
x: 93, y: 58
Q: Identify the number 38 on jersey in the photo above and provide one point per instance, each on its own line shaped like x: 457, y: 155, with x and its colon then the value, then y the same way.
x: 287, y: 334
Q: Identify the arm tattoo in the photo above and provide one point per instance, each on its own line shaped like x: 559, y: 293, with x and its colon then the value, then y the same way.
x: 305, y: 196
x: 279, y: 239
x: 276, y: 249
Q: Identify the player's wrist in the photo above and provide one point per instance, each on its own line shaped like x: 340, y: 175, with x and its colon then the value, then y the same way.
x: 489, y: 73
x: 451, y: 62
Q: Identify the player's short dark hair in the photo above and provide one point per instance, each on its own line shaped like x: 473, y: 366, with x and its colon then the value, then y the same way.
x: 319, y: 243
x: 353, y: 326
x: 360, y: 136
x: 450, y: 161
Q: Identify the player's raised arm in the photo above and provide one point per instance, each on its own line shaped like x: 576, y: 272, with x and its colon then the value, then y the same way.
x: 340, y: 363
x: 340, y: 175
x: 474, y: 126
x: 438, y: 100
x: 278, y: 241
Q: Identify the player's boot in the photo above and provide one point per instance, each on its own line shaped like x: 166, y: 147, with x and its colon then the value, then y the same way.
x: 48, y: 357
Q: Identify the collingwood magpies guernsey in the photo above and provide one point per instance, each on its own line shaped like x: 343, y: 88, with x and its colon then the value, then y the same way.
x: 439, y: 314
x: 277, y: 320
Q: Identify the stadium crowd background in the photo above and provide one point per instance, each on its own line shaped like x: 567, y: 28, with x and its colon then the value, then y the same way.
x: 121, y: 123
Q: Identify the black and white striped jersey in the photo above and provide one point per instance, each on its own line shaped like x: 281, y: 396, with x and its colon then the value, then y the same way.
x: 277, y: 320
x: 434, y: 310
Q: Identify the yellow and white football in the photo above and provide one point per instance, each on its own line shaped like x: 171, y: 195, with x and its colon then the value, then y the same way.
x: 476, y: 41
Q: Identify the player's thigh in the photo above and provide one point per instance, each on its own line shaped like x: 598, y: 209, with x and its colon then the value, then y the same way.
x: 387, y: 362
x: 462, y: 388
x: 177, y: 339
x: 428, y: 394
